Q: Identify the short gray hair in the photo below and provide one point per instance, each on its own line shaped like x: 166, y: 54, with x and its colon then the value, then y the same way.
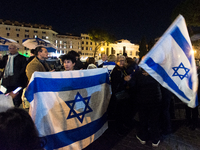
x: 9, y: 45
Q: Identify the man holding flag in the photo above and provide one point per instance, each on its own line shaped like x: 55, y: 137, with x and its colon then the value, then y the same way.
x: 171, y: 62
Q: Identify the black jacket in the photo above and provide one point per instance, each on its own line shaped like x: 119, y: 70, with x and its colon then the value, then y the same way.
x: 19, y: 78
x: 147, y: 89
x: 117, y: 79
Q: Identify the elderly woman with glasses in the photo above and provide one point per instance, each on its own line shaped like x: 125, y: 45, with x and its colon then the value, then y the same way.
x: 119, y: 99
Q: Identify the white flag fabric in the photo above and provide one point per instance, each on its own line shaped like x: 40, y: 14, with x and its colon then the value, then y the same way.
x: 6, y: 102
x: 171, y: 62
x: 69, y: 107
x: 110, y: 65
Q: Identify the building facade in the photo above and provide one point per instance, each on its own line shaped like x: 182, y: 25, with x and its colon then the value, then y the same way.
x: 64, y: 43
x: 19, y: 31
x: 124, y: 46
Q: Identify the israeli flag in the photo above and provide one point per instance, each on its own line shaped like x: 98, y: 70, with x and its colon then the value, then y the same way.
x: 69, y: 107
x: 171, y: 62
x: 110, y: 65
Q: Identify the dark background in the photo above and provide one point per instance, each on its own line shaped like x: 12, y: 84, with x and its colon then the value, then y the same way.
x: 125, y: 19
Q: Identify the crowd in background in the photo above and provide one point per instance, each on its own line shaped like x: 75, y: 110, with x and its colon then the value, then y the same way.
x: 133, y: 91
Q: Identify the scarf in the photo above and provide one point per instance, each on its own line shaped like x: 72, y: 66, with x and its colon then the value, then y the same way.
x: 9, y: 66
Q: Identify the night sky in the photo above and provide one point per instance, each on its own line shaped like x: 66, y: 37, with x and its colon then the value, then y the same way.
x: 125, y: 19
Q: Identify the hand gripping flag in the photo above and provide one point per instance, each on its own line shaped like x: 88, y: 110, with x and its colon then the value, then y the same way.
x: 171, y: 62
x: 69, y: 107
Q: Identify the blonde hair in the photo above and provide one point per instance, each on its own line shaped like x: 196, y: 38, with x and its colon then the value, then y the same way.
x: 111, y: 58
x: 120, y: 56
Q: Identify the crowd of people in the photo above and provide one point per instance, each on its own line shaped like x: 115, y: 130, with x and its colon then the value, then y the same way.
x: 133, y: 91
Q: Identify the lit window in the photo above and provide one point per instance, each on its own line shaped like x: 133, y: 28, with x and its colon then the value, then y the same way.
x: 47, y: 37
x: 35, y: 36
x: 71, y: 46
x: 90, y: 48
x: 60, y: 42
x: 56, y: 41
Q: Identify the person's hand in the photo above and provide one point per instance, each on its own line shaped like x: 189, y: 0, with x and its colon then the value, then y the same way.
x: 52, y: 70
x: 13, y: 95
x: 127, y: 78
x: 145, y: 73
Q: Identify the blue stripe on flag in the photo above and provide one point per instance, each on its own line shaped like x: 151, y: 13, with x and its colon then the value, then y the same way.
x: 109, y: 63
x: 184, y: 45
x: 64, y: 84
x: 166, y: 78
x: 68, y: 137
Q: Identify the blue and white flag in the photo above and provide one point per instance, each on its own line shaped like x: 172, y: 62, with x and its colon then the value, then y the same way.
x: 32, y: 43
x: 171, y: 62
x: 110, y: 65
x: 69, y: 107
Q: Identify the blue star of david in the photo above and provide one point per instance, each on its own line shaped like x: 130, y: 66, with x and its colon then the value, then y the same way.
x: 71, y: 104
x: 181, y: 66
x: 41, y: 42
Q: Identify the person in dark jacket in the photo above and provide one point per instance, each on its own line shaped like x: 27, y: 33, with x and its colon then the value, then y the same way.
x: 32, y: 55
x: 117, y: 107
x: 148, y: 95
x: 14, y: 75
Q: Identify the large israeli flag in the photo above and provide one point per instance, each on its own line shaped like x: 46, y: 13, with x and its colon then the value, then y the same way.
x: 171, y: 62
x: 69, y: 107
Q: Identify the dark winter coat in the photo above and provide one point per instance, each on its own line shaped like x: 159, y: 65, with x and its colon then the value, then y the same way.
x: 117, y: 79
x: 19, y: 78
x: 148, y: 90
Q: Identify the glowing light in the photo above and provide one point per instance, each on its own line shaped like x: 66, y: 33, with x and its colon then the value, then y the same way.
x: 102, y: 49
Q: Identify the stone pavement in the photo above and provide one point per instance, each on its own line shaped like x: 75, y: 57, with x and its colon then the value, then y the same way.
x: 182, y: 138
